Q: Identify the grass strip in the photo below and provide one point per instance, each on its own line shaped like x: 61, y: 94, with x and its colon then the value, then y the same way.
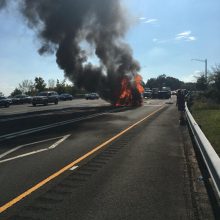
x: 208, y: 117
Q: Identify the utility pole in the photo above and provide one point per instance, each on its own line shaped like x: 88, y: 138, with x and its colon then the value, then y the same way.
x: 206, y: 71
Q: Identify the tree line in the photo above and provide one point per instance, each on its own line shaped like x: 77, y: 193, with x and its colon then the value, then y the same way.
x: 168, y: 81
x: 209, y: 87
x: 31, y: 88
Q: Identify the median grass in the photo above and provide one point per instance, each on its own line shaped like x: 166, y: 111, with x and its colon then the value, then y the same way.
x: 207, y: 115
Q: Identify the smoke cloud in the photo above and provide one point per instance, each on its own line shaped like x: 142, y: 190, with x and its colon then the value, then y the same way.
x: 2, y: 3
x: 64, y: 27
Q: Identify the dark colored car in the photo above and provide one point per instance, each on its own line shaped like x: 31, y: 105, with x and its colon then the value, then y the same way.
x: 164, y: 93
x: 15, y: 101
x: 4, y: 102
x: 45, y: 97
x: 92, y: 96
x: 65, y: 96
x: 21, y: 99
x: 155, y: 92
x: 147, y: 94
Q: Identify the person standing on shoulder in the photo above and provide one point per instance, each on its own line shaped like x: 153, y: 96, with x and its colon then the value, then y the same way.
x: 180, y: 103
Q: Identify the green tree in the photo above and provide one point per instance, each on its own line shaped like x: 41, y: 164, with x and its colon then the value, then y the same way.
x: 216, y: 77
x: 39, y: 84
x: 16, y: 92
x: 1, y: 94
x: 164, y: 81
x: 214, y: 85
x: 161, y: 81
x: 174, y: 83
x: 201, y: 83
x: 61, y: 86
x: 189, y: 86
x: 152, y: 83
x: 71, y: 89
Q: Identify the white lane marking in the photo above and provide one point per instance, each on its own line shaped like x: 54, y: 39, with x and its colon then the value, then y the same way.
x: 57, y: 124
x: 23, y: 155
x: 37, y: 151
x: 74, y: 167
x: 58, y: 142
x: 24, y: 145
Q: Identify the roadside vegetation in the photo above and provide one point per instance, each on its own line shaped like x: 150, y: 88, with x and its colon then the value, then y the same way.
x: 208, y: 117
x: 32, y: 88
x: 206, y: 106
x: 168, y: 81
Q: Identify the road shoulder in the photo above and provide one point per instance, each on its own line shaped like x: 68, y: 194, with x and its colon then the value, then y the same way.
x: 200, y: 199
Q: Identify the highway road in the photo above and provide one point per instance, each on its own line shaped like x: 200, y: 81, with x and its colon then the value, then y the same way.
x: 89, y: 160
x: 28, y: 108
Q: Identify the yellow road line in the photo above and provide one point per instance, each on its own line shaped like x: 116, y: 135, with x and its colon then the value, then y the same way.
x: 43, y: 182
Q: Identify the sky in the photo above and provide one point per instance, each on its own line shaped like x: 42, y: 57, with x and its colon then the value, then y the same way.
x: 164, y: 35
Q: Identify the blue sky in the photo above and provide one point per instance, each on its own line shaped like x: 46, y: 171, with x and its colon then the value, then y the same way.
x: 164, y: 37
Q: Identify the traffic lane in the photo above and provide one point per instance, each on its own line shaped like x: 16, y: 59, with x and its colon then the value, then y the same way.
x: 31, y: 135
x: 9, y: 144
x: 83, y: 138
x: 145, y: 178
x: 28, y: 108
x: 23, y: 123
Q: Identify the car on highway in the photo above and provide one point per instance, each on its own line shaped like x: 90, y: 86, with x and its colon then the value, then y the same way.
x: 45, y: 97
x: 173, y: 92
x: 4, y: 102
x: 92, y: 96
x: 14, y: 100
x: 147, y: 93
x: 65, y: 96
x: 164, y: 93
x: 155, y: 92
x: 21, y: 99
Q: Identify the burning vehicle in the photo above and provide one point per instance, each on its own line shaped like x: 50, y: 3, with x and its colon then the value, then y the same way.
x: 131, y: 92
x: 87, y: 28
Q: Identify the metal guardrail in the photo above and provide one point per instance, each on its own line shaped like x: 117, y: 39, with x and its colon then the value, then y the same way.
x: 209, y: 155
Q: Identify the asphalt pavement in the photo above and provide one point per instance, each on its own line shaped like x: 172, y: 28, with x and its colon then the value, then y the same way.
x: 124, y: 164
x: 18, y: 110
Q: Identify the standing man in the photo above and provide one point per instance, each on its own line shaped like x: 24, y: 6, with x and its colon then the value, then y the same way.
x: 180, y: 103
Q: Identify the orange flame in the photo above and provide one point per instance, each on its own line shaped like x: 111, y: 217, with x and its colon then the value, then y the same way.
x: 138, y: 81
x: 131, y: 92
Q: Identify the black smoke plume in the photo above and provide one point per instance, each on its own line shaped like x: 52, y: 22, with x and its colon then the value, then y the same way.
x: 66, y: 26
x: 2, y: 3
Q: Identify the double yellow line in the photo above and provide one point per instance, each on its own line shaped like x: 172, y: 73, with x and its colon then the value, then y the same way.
x: 53, y: 176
